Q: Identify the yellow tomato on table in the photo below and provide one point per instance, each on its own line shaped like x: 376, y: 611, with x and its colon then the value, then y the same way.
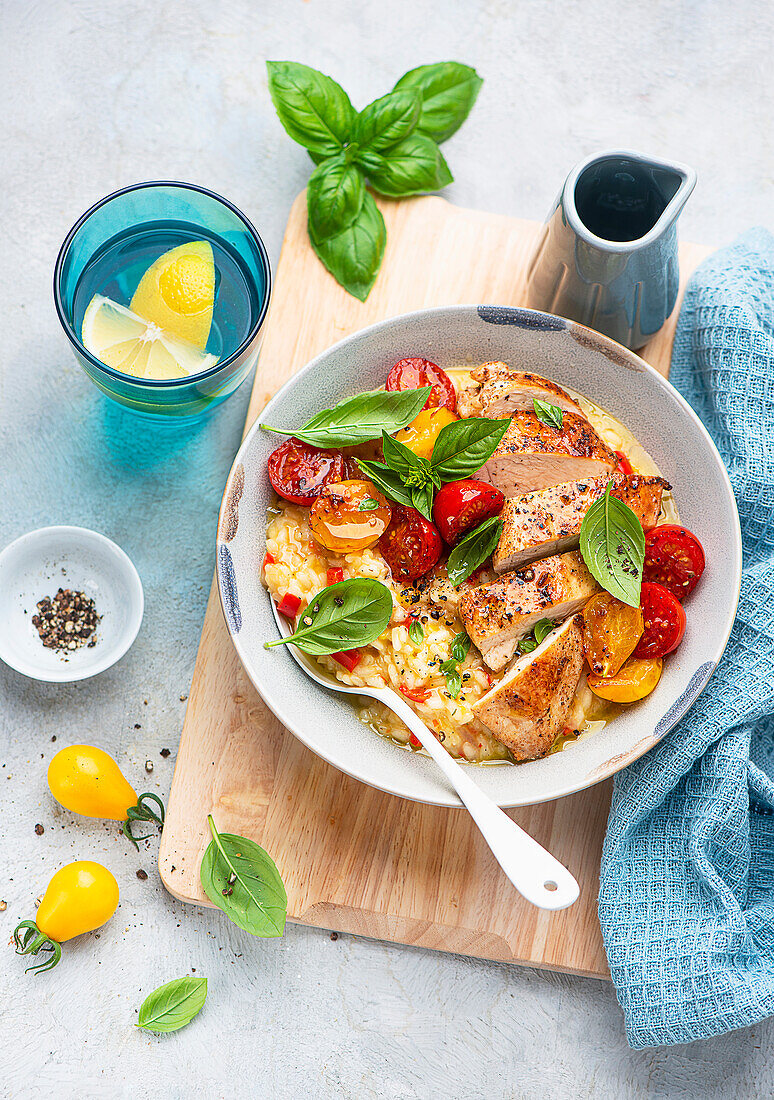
x: 634, y: 681
x: 420, y: 435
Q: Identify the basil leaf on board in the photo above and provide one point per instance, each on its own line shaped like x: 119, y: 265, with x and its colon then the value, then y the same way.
x: 547, y: 413
x: 463, y: 446
x: 342, y: 616
x: 460, y: 646
x: 314, y: 109
x: 416, y: 633
x: 173, y: 1005
x: 387, y: 120
x: 387, y: 480
x: 448, y: 91
x: 612, y: 544
x: 360, y: 418
x: 334, y: 196
x: 527, y: 644
x: 411, y: 167
x: 242, y: 879
x: 542, y: 629
x: 473, y: 550
x: 354, y: 255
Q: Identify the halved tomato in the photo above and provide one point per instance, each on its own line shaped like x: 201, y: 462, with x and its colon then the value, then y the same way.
x: 420, y: 435
x: 664, y: 617
x: 411, y: 544
x: 462, y: 505
x: 412, y: 374
x: 611, y: 630
x: 299, y: 472
x: 634, y: 681
x: 674, y: 558
x: 624, y: 465
x: 349, y: 516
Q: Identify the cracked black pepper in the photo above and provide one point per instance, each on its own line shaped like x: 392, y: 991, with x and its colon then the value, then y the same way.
x: 66, y: 621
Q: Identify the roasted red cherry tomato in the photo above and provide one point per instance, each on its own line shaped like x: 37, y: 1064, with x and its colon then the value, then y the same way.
x: 412, y: 374
x: 462, y: 505
x: 624, y: 465
x: 411, y: 545
x: 299, y: 472
x: 673, y: 557
x: 664, y: 621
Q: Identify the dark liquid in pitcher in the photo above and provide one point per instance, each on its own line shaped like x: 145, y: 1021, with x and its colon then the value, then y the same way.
x: 620, y: 200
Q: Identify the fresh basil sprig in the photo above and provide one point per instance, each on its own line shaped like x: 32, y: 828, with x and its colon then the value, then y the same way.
x: 173, y: 1005
x: 387, y: 480
x: 539, y: 633
x: 393, y: 142
x: 473, y: 549
x: 242, y: 879
x: 360, y: 418
x: 549, y: 414
x: 463, y: 446
x: 450, y: 668
x: 612, y: 544
x: 342, y: 616
x: 460, y: 646
x: 416, y: 633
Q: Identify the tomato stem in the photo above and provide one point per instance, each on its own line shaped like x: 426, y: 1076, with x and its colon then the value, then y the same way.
x: 33, y: 941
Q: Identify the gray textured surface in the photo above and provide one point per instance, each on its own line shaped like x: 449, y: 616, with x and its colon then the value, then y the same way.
x: 98, y: 94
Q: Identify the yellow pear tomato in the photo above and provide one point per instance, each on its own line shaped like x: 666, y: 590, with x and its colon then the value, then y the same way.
x: 633, y: 682
x: 420, y: 435
x: 80, y: 897
x: 88, y: 781
x: 611, y: 630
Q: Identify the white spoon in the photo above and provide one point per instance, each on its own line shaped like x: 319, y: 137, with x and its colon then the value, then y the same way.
x: 538, y: 877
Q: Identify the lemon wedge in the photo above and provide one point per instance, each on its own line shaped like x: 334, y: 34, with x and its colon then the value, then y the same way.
x: 133, y: 345
x: 177, y: 292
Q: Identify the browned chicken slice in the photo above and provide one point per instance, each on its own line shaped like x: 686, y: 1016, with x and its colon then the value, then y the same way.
x: 500, y: 392
x: 549, y: 521
x: 497, y: 614
x: 529, y: 706
x: 533, y: 455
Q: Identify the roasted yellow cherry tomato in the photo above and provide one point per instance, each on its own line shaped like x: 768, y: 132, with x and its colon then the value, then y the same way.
x: 636, y: 679
x: 349, y: 516
x: 88, y: 781
x: 611, y: 630
x: 420, y: 435
x: 80, y: 897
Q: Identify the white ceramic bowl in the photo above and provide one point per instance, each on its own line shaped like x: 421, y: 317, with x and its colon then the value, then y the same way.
x: 39, y: 563
x: 617, y: 380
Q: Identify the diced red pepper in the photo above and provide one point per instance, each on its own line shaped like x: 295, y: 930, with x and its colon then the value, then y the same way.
x: 414, y: 741
x: 416, y: 695
x: 349, y: 658
x: 624, y: 465
x: 268, y: 559
x: 289, y: 605
x: 335, y: 574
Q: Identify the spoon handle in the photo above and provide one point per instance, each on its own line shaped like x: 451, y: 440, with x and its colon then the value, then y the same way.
x: 538, y: 877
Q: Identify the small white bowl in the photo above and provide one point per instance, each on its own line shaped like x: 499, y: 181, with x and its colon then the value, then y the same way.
x: 39, y: 563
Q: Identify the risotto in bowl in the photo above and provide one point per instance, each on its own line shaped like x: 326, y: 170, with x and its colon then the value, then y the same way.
x: 504, y: 517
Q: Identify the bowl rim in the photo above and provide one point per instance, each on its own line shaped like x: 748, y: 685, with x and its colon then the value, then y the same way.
x: 156, y: 383
x: 83, y: 536
x: 612, y: 350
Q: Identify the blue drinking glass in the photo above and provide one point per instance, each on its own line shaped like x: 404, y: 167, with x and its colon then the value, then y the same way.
x: 173, y: 213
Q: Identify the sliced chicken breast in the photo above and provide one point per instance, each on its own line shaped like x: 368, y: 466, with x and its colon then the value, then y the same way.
x: 533, y: 455
x: 549, y: 521
x: 499, y: 392
x: 529, y: 706
x: 497, y: 614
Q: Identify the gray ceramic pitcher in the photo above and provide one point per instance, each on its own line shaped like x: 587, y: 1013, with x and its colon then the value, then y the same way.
x: 607, y: 255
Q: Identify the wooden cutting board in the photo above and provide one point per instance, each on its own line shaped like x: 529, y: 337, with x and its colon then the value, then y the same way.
x: 354, y: 859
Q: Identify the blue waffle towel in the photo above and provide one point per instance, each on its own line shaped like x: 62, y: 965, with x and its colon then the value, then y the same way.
x: 687, y: 883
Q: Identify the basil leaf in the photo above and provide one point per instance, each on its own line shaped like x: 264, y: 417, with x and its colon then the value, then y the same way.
x: 542, y: 629
x: 334, y: 196
x: 422, y: 500
x: 416, y: 633
x: 173, y: 1005
x: 463, y: 446
x: 401, y: 458
x: 360, y: 418
x: 313, y: 108
x: 474, y: 549
x: 387, y: 480
x: 410, y: 167
x: 368, y: 505
x: 346, y: 615
x: 527, y: 644
x: 242, y: 879
x: 460, y: 646
x: 354, y: 255
x: 548, y: 414
x: 387, y: 120
x: 448, y: 91
x: 453, y: 682
x: 612, y: 543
